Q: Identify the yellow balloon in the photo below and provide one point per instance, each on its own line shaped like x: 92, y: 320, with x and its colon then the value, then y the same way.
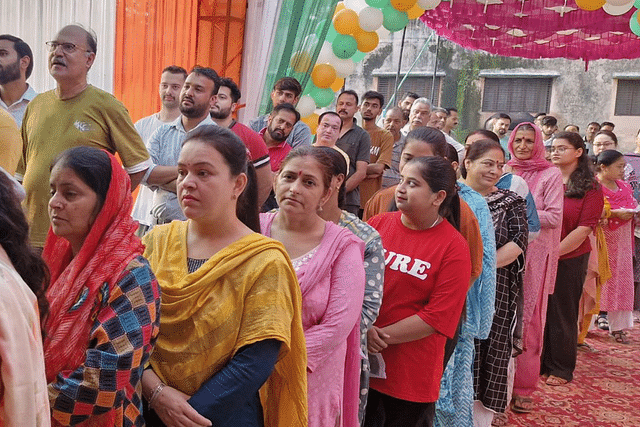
x: 312, y: 122
x: 403, y: 5
x: 346, y: 21
x: 415, y: 12
x: 340, y: 6
x: 323, y: 75
x: 337, y: 84
x: 590, y: 4
x: 301, y: 62
x: 367, y: 41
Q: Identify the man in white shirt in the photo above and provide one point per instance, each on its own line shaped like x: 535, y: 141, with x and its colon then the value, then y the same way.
x: 16, y: 64
x: 171, y: 82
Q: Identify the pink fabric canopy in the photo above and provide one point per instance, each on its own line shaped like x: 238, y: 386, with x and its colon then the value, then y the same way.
x: 535, y: 29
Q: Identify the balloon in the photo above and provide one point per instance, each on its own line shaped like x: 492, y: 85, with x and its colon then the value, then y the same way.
x: 403, y: 5
x: 378, y: 3
x: 358, y: 56
x: 301, y: 62
x: 306, y: 105
x: 344, y: 46
x: 337, y: 85
x: 355, y: 5
x: 617, y: 10
x: 383, y: 33
x: 416, y: 12
x: 367, y: 41
x: 311, y: 121
x: 634, y: 24
x: 344, y: 67
x: 637, y: 4
x: 618, y: 2
x: 326, y: 55
x: 340, y: 6
x: 590, y: 4
x: 323, y: 75
x: 346, y: 21
x: 331, y: 34
x: 322, y: 97
x: 370, y: 18
x: 394, y: 20
x: 428, y: 4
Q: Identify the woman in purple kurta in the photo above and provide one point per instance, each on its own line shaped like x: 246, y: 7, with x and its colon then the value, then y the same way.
x: 329, y: 263
x: 545, y: 183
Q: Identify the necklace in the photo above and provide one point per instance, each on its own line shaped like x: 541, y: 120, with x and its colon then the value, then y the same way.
x: 434, y: 222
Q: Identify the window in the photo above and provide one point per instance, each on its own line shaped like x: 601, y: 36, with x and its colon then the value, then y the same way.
x: 517, y: 94
x: 419, y: 85
x: 628, y: 98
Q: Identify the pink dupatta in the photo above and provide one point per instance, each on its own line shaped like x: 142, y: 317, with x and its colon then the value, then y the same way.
x: 529, y: 169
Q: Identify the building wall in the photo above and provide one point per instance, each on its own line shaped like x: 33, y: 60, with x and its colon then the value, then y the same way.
x: 578, y: 96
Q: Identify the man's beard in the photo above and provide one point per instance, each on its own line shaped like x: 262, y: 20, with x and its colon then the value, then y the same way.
x: 194, y: 111
x: 220, y: 114
x: 10, y: 73
x: 276, y: 137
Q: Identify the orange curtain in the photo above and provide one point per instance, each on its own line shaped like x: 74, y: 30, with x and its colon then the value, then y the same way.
x: 151, y: 35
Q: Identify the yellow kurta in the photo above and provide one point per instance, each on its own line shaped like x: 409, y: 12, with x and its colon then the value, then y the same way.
x: 247, y: 292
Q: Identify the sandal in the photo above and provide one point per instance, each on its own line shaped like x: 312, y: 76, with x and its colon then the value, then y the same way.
x: 500, y: 419
x: 521, y: 404
x: 620, y: 337
x: 555, y: 381
x: 603, y: 323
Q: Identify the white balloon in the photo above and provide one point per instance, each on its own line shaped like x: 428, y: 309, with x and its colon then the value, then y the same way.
x: 383, y: 33
x: 306, y: 106
x: 344, y: 67
x: 370, y: 18
x: 617, y: 10
x: 326, y: 55
x: 355, y: 5
x: 618, y: 2
x: 428, y: 4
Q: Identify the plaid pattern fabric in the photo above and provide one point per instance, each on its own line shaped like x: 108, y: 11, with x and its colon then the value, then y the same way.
x: 106, y: 386
x: 508, y: 211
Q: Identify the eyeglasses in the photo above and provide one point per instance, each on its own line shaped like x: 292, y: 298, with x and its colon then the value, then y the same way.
x: 560, y: 150
x: 66, y: 47
x: 605, y: 144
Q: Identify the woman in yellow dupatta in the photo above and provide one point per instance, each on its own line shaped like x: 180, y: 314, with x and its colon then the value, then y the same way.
x: 231, y: 306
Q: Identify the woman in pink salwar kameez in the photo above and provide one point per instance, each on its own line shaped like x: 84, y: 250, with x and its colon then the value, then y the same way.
x: 328, y: 260
x: 545, y: 183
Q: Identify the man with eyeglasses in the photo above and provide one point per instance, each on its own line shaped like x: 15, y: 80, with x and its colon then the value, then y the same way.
x: 73, y: 114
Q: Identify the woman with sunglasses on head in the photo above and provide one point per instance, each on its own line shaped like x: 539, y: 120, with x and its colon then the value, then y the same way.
x: 104, y: 301
x: 427, y: 276
x: 328, y: 260
x: 230, y: 350
x: 23, y: 306
x: 582, y: 209
x: 482, y: 169
x: 545, y: 183
x: 617, y: 293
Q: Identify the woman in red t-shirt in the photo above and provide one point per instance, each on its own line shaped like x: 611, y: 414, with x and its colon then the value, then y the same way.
x: 426, y: 278
x: 583, y: 203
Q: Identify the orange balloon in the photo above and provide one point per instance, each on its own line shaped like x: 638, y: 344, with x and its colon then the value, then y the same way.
x: 403, y: 5
x: 312, y: 122
x: 337, y: 84
x: 323, y: 75
x: 590, y: 4
x: 415, y: 12
x: 367, y: 41
x: 301, y: 62
x: 346, y: 21
x: 340, y: 6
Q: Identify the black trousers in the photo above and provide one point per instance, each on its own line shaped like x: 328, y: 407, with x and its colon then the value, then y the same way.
x: 561, y: 331
x: 387, y: 411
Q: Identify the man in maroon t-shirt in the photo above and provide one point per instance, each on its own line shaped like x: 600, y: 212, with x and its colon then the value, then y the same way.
x: 221, y: 112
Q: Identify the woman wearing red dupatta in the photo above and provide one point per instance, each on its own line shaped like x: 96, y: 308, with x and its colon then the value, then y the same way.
x: 104, y: 299
x: 545, y: 183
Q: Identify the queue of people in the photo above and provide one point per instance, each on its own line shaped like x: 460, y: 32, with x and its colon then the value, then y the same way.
x: 370, y: 276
